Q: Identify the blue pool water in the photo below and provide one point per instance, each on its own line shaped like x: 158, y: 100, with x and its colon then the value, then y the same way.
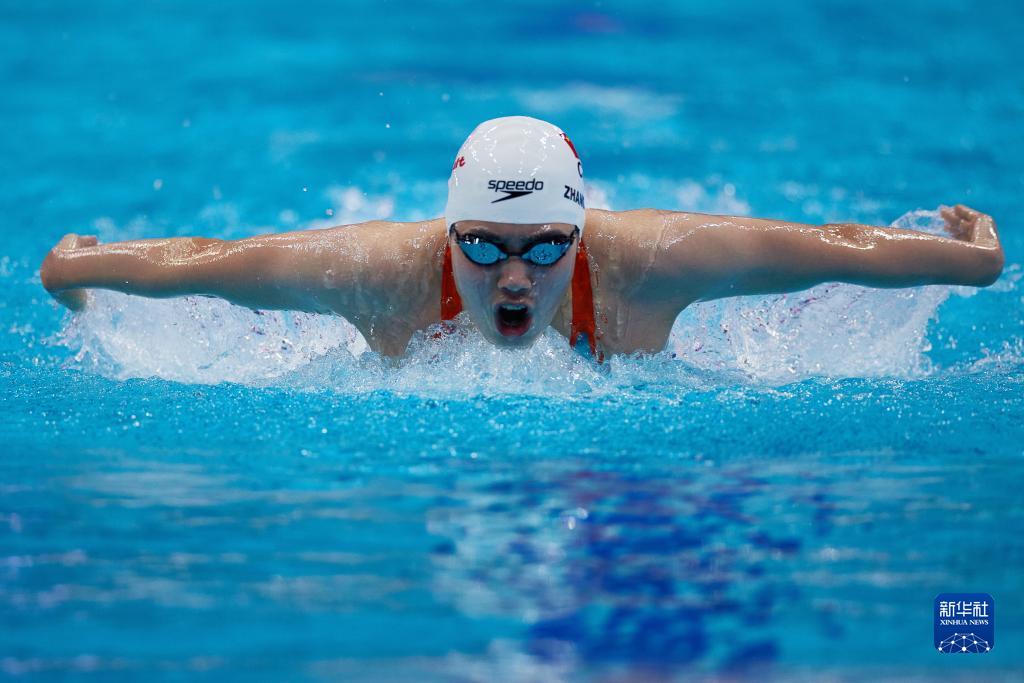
x: 191, y: 491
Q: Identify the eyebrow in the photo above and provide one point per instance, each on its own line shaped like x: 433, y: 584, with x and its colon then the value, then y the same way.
x: 541, y: 236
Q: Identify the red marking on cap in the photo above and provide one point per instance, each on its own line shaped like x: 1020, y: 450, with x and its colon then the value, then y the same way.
x: 571, y: 146
x: 461, y: 161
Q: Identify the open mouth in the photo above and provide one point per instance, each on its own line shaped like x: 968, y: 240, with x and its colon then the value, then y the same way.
x: 512, y: 320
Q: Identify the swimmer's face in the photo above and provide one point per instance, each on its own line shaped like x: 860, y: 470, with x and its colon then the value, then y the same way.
x: 512, y: 301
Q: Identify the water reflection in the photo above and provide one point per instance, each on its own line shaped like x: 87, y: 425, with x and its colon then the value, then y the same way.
x: 609, y: 566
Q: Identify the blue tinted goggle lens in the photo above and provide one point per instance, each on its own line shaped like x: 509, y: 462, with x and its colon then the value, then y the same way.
x: 546, y: 253
x: 480, y: 252
x: 484, y: 253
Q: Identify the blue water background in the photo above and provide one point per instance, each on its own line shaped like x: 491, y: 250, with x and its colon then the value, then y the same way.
x: 169, y: 513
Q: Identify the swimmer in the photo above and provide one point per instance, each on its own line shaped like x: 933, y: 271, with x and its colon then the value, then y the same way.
x: 518, y: 251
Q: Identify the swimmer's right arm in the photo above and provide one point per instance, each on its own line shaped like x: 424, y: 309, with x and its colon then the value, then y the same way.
x: 312, y: 270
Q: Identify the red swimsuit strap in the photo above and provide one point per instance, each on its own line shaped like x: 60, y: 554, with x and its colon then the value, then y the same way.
x: 583, y: 304
x: 582, y: 299
x: 451, y: 302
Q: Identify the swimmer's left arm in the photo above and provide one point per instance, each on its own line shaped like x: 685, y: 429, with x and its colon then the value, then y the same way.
x: 720, y: 256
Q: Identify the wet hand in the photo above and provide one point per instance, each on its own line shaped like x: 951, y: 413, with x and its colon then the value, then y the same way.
x: 964, y: 223
x: 50, y: 270
x: 985, y: 260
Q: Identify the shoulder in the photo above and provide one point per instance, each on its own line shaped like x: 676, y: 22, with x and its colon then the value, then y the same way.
x: 382, y: 249
x: 643, y: 228
x: 655, y: 259
x: 636, y: 243
x: 388, y: 236
x: 385, y: 269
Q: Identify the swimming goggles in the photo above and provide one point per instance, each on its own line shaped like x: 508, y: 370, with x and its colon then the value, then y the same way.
x: 544, y: 252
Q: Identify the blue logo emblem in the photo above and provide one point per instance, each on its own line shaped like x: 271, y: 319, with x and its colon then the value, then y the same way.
x: 964, y: 623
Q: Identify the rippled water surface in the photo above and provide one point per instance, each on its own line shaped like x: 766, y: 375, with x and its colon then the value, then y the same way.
x: 190, y: 490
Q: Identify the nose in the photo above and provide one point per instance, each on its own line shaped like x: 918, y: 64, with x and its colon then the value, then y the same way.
x: 515, y: 277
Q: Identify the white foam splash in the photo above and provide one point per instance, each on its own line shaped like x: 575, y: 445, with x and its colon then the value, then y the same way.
x: 831, y: 330
x: 199, y: 340
x: 834, y: 330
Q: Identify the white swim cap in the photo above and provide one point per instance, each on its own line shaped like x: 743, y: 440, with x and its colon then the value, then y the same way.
x: 516, y: 169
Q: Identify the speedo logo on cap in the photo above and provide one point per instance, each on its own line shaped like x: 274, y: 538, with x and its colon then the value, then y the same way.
x: 514, y: 188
